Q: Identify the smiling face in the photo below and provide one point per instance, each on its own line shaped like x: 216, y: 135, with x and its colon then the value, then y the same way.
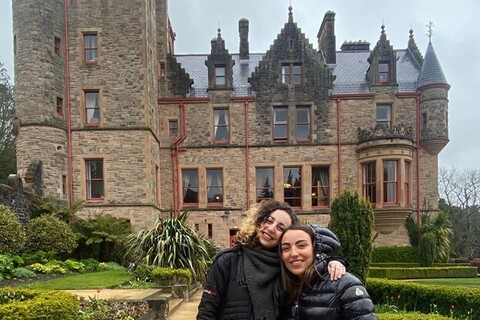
x: 273, y: 227
x: 297, y: 251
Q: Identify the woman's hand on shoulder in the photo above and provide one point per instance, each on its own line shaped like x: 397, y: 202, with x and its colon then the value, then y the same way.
x: 336, y: 270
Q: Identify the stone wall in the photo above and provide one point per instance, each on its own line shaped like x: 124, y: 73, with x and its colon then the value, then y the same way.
x: 16, y: 198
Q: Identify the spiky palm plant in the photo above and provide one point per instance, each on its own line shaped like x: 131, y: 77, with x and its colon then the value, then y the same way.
x: 172, y: 244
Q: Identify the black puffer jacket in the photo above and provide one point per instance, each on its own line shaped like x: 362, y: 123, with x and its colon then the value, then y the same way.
x: 223, y: 297
x: 344, y: 299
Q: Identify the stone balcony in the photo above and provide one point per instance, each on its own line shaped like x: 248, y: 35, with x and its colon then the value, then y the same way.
x: 380, y: 132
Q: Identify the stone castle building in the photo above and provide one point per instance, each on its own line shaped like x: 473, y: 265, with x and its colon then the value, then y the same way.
x: 118, y: 120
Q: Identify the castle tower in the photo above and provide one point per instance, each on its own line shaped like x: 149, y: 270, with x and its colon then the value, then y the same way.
x: 433, y: 88
x: 40, y: 90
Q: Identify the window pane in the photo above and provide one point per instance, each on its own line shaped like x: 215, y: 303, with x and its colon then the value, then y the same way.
x: 286, y: 74
x: 303, y: 115
x: 383, y: 72
x: 220, y: 75
x: 264, y: 183
x: 214, y: 185
x: 280, y: 123
x: 390, y: 181
x: 91, y: 99
x: 369, y: 182
x: 94, y: 181
x: 297, y: 74
x: 320, y: 186
x: 292, y: 186
x: 95, y: 169
x: 280, y: 115
x: 303, y: 123
x: 221, y: 124
x: 90, y: 43
x: 190, y: 185
x: 173, y: 127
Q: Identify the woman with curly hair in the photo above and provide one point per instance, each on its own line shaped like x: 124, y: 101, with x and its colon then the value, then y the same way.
x: 244, y: 281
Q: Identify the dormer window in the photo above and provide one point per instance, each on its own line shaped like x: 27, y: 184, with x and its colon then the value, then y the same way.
x: 292, y: 73
x: 383, y: 74
x: 220, y: 75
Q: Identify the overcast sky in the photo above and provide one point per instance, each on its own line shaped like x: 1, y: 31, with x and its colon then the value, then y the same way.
x: 456, y: 41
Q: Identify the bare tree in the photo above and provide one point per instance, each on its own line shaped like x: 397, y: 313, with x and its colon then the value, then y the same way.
x: 460, y: 197
x: 7, y: 138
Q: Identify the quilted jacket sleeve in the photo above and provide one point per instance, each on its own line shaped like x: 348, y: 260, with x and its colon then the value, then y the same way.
x: 355, y: 300
x: 214, y: 289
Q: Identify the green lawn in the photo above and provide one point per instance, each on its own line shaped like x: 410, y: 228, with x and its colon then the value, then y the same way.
x: 94, y: 280
x: 454, y: 282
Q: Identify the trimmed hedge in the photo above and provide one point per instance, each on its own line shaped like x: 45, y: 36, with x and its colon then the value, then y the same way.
x: 411, y: 316
x: 423, y: 273
x: 395, y: 254
x: 31, y: 304
x: 421, y: 297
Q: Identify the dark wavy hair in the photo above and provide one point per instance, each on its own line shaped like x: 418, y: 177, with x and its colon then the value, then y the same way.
x: 291, y: 283
x: 247, y: 235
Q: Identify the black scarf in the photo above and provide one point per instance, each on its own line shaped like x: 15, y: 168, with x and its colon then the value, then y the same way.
x: 260, y: 271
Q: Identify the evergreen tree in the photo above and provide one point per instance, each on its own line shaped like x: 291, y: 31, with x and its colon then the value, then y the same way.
x: 352, y: 220
x: 7, y: 139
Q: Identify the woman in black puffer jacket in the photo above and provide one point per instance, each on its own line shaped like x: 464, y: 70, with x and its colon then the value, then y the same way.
x: 244, y: 282
x: 309, y: 293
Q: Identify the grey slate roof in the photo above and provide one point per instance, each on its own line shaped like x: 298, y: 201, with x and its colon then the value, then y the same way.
x: 350, y: 71
x: 431, y: 72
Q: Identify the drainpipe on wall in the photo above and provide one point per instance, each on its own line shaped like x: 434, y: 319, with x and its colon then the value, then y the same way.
x: 68, y: 106
x: 419, y: 219
x: 175, y: 160
x: 176, y: 145
x: 339, y: 146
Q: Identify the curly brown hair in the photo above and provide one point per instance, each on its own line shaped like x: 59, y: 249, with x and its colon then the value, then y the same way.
x: 247, y: 235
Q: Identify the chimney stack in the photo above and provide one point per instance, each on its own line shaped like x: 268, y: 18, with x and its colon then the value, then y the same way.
x: 243, y: 30
x: 326, y: 38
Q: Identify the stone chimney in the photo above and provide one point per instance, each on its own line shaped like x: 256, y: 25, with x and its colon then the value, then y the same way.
x: 326, y: 38
x: 243, y: 30
x: 353, y: 46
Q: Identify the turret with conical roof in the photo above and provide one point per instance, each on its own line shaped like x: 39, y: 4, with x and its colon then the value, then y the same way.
x: 433, y: 88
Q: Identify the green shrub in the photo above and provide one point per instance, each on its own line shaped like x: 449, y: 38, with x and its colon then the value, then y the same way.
x: 23, y: 273
x: 12, y: 234
x: 6, y: 266
x: 48, y: 233
x: 421, y: 297
x: 91, y: 264
x: 53, y: 266
x: 427, y: 249
x: 75, y: 266
x: 170, y: 276
x: 423, y: 273
x: 102, y: 237
x: 394, y: 254
x: 38, y: 257
x: 351, y: 220
x: 28, y: 304
x: 143, y: 272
